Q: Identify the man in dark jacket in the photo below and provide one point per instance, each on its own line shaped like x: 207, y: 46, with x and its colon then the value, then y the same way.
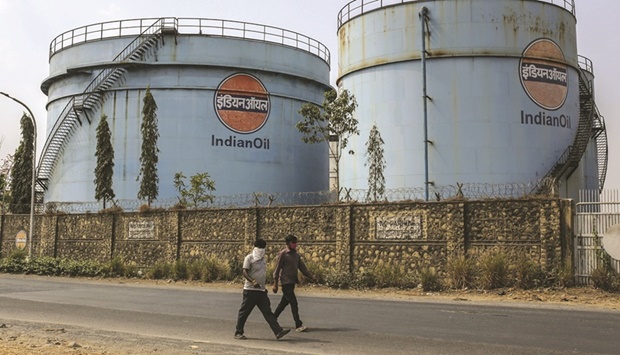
x: 287, y: 264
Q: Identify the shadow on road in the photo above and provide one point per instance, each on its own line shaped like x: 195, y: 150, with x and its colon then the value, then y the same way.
x: 319, y: 330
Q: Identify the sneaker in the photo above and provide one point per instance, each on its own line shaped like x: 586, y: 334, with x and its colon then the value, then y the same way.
x: 240, y: 337
x: 303, y: 328
x: 282, y: 333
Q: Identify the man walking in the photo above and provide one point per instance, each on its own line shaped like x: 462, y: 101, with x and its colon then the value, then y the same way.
x: 254, y: 292
x: 287, y: 264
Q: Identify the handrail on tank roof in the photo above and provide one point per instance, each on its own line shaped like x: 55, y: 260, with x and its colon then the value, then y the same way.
x: 198, y: 26
x: 585, y: 63
x: 357, y: 8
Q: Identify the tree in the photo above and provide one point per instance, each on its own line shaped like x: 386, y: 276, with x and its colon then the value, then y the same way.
x: 2, y: 192
x: 149, y: 188
x: 104, y: 171
x: 3, y: 180
x: 21, y: 172
x: 199, y: 191
x: 376, y: 165
x: 5, y: 173
x: 333, y: 122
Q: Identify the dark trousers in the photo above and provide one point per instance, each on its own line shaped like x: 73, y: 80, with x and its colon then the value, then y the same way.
x: 259, y: 299
x: 288, y: 297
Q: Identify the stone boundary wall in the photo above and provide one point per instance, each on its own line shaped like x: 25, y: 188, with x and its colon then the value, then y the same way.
x: 344, y: 237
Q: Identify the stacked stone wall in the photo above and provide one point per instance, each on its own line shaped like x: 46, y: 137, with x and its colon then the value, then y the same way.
x: 89, y: 236
x: 348, y: 237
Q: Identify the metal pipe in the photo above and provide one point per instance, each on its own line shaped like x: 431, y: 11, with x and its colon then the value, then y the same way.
x: 34, y: 172
x: 423, y: 17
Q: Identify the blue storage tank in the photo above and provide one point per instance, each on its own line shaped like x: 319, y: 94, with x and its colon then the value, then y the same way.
x: 464, y: 91
x: 228, y: 95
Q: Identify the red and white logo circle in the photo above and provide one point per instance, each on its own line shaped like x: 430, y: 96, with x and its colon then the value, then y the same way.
x: 544, y: 74
x: 242, y: 103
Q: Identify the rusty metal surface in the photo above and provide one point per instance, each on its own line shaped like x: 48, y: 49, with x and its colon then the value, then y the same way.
x: 501, y: 28
x: 357, y: 8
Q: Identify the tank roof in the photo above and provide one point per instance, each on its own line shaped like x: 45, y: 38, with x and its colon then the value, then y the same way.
x: 191, y: 26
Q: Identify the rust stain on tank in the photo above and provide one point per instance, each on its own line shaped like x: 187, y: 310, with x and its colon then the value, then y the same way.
x: 562, y: 31
x: 517, y: 24
x: 343, y: 37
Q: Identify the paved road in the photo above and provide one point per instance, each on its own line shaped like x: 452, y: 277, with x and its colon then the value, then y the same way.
x: 338, y: 325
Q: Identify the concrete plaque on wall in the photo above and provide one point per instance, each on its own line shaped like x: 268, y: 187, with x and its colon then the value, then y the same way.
x: 406, y: 227
x: 141, y: 230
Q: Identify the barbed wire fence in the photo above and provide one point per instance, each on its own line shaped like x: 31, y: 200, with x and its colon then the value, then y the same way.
x: 447, y: 192
x: 470, y: 191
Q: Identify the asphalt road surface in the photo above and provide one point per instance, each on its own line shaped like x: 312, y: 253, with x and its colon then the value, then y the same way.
x: 337, y: 325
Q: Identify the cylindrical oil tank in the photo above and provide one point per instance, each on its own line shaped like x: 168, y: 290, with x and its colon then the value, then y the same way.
x: 227, y: 92
x: 500, y: 80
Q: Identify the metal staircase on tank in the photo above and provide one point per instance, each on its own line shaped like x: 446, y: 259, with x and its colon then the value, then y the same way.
x: 600, y: 135
x: 591, y: 125
x: 92, y: 98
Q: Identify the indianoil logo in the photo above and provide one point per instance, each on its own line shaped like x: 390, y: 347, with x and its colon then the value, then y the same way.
x: 544, y: 75
x: 242, y: 103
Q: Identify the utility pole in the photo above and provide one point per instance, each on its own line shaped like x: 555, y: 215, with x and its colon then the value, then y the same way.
x: 34, y: 172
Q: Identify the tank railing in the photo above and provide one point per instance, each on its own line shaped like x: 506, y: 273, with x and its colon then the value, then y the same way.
x: 585, y: 64
x: 65, y: 124
x: 357, y: 8
x: 253, y: 31
x: 200, y: 26
x: 100, y: 31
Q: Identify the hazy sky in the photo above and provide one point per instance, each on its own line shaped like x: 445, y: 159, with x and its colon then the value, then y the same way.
x: 30, y: 25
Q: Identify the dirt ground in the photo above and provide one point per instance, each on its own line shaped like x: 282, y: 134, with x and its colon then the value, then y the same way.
x: 20, y: 338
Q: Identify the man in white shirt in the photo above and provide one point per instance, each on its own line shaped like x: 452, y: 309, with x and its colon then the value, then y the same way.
x: 255, y: 293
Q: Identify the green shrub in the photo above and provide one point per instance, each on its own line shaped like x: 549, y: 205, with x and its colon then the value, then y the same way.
x: 206, y: 270
x: 386, y: 275
x: 364, y: 279
x: 236, y: 268
x: 383, y: 276
x: 430, y: 280
x: 74, y: 268
x: 461, y: 272
x: 390, y: 275
x: 132, y: 271
x: 605, y: 279
x: 70, y: 267
x: 15, y: 263
x: 116, y: 267
x: 528, y: 274
x: 494, y: 272
x: 338, y: 279
x: 194, y: 270
x: 317, y: 270
x: 409, y: 281
x: 160, y: 271
x: 18, y: 255
x: 44, y: 266
x: 180, y: 270
x: 214, y: 270
x: 564, y: 276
